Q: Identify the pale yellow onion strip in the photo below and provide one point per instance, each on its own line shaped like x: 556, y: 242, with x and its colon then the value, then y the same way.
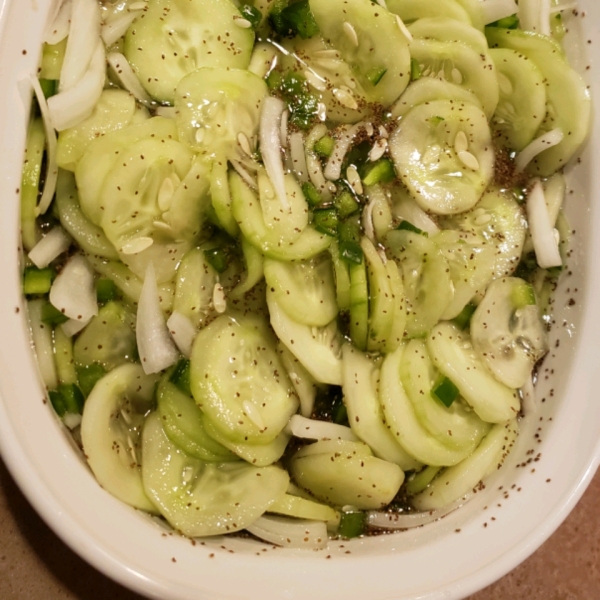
x: 534, y: 15
x: 59, y: 22
x: 73, y: 326
x: 541, y: 229
x: 270, y: 145
x: 182, y: 331
x: 84, y: 34
x: 115, y: 28
x: 545, y: 141
x: 312, y: 429
x: 74, y: 292
x: 51, y: 246
x: 128, y: 78
x: 297, y: 156
x: 345, y: 137
x: 494, y: 10
x: 291, y: 533
x: 313, y: 163
x: 51, y: 164
x: 69, y: 108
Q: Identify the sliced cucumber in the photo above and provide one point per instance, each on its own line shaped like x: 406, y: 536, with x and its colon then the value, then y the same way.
x: 305, y: 290
x: 113, y: 415
x: 411, y: 10
x: 403, y: 422
x: 370, y: 41
x: 254, y: 262
x: 456, y: 426
x: 303, y: 382
x: 522, y: 104
x: 460, y: 64
x: 452, y: 353
x: 568, y: 103
x: 498, y: 220
x: 349, y: 476
x: 215, y: 106
x: 458, y: 481
x: 201, y: 499
x: 303, y: 508
x: 365, y: 415
x: 443, y: 176
x: 317, y: 348
x: 238, y: 380
x: 359, y: 305
x: 427, y: 285
x: 172, y: 38
x: 507, y: 331
x: 221, y: 197
x: 396, y: 334
x: 181, y: 420
x: 445, y: 29
x: 114, y: 110
x: 342, y: 277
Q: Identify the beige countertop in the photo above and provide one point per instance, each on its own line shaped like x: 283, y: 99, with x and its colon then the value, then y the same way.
x: 36, y: 565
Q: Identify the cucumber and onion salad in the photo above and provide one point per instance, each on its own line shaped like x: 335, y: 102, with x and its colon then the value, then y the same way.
x: 287, y: 263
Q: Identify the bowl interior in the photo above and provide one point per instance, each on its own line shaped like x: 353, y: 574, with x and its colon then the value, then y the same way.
x: 555, y: 458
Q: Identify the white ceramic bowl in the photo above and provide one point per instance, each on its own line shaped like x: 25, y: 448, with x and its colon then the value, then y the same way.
x: 556, y: 456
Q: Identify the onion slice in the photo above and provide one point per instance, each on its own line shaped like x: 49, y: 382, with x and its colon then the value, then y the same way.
x: 52, y: 245
x: 182, y: 331
x: 270, y: 145
x: 494, y: 10
x: 84, y: 35
x: 311, y: 429
x: 542, y: 231
x: 69, y: 108
x: 59, y: 23
x: 128, y: 78
x: 291, y: 533
x: 155, y: 345
x: 115, y: 28
x: 345, y: 137
x: 73, y: 326
x: 545, y: 141
x: 73, y: 291
x: 298, y: 159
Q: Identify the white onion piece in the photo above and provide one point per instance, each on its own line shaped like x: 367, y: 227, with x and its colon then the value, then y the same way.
x: 545, y: 141
x: 291, y: 533
x: 388, y: 520
x: 52, y: 245
x: 301, y: 379
x: 333, y: 168
x: 270, y: 146
x: 41, y: 335
x: 128, y: 78
x: 494, y: 10
x: 114, y: 29
x: 169, y: 112
x: 298, y: 159
x: 155, y: 345
x: 69, y: 108
x: 59, y: 23
x: 241, y: 171
x: 73, y: 291
x: 554, y: 191
x: 408, y: 210
x: 313, y: 163
x: 367, y: 220
x: 283, y: 128
x: 542, y: 231
x: 72, y: 420
x: 73, y: 326
x: 531, y: 403
x: 51, y: 164
x: 311, y: 429
x: 84, y: 35
x: 182, y: 331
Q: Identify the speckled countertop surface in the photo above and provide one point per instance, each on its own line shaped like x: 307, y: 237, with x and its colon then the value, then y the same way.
x: 36, y: 565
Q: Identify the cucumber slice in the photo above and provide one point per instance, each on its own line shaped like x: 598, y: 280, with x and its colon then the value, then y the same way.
x: 370, y: 41
x: 427, y: 285
x: 249, y: 215
x: 317, y: 348
x: 472, y: 264
x: 361, y: 396
x: 302, y: 380
x: 428, y: 89
x: 303, y: 508
x: 411, y: 10
x: 359, y: 305
x: 522, y: 104
x: 398, y: 327
x: 441, y: 175
x: 110, y: 432
x: 201, y: 499
x: 194, y: 286
x: 460, y: 64
x: 456, y: 426
x: 458, y: 481
x: 452, y: 353
x: 240, y: 384
x: 254, y: 263
x: 497, y: 220
x: 172, y: 38
x: 568, y: 103
x: 259, y: 455
x: 403, y: 422
x: 342, y: 277
x: 181, y: 420
x: 108, y: 339
x: 221, y: 197
x: 444, y: 29
x: 507, y: 331
x: 114, y: 110
x: 215, y: 106
x: 350, y: 475
x: 304, y: 290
